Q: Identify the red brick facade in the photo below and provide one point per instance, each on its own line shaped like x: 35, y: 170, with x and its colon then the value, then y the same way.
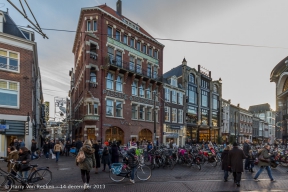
x: 84, y: 92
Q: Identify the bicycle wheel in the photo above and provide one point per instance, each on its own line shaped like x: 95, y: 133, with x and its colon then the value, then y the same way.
x: 199, y: 166
x: 116, y: 178
x: 171, y: 164
x: 41, y: 177
x: 3, y: 179
x: 143, y: 173
x: 8, y: 184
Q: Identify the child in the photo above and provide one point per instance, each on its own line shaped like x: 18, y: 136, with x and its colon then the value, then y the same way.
x: 251, y: 158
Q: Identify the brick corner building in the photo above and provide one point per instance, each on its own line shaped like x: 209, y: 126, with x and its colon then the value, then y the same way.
x: 115, y: 75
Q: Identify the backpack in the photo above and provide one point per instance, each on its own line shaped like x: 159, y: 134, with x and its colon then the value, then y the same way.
x: 80, y: 157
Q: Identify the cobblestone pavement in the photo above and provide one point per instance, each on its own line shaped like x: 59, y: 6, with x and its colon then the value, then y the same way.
x: 66, y: 175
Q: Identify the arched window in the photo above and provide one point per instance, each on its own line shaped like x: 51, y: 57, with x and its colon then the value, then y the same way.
x: 215, y: 89
x: 285, y: 87
x: 109, y: 81
x: 92, y: 77
x: 191, y: 78
x: 119, y: 84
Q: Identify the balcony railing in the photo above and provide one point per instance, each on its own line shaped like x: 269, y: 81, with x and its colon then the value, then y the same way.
x: 130, y: 66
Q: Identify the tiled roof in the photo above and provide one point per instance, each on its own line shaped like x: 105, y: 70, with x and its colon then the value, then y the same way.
x: 9, y: 27
x: 177, y: 71
x: 261, y: 107
x: 115, y: 14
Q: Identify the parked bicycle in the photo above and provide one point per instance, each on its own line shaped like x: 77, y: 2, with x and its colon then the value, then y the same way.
x: 38, y: 176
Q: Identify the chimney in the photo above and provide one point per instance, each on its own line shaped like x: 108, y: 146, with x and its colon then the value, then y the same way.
x: 119, y: 7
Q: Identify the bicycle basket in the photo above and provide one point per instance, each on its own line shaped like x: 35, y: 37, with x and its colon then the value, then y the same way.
x: 116, y: 168
x: 139, y: 152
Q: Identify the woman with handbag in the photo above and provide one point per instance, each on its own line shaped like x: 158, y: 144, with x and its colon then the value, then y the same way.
x: 25, y: 158
x: 224, y: 159
x: 264, y: 163
x: 57, y: 149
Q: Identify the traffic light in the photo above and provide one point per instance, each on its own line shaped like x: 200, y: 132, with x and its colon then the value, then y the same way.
x: 26, y: 128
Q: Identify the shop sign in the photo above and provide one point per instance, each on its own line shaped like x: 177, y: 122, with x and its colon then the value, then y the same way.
x: 172, y: 135
x: 107, y: 125
x: 174, y: 126
x: 131, y: 98
x: 91, y: 117
x: 130, y: 123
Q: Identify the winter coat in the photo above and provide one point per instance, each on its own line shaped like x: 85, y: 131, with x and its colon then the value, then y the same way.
x: 33, y: 147
x: 224, y: 159
x: 79, y: 144
x: 12, y: 155
x: 68, y: 146
x: 106, y: 156
x: 97, y: 156
x: 246, y: 149
x: 57, y: 148
x: 22, y: 144
x: 51, y: 145
x: 16, y: 145
x: 73, y: 144
x: 235, y: 159
x: 114, y: 154
x: 265, y: 154
x: 132, y: 161
x: 46, y: 148
x: 89, y: 161
x: 25, y: 156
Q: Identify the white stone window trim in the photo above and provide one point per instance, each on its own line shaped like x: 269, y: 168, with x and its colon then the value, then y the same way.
x: 115, y: 80
x: 176, y: 114
x: 8, y: 62
x: 18, y: 95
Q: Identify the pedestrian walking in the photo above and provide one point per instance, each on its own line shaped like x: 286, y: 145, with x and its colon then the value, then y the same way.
x: 57, y: 150
x: 132, y: 163
x: 46, y: 149
x: 25, y: 158
x: 225, y: 164
x: 246, y: 149
x: 252, y: 159
x: 96, y: 146
x: 33, y: 149
x: 13, y: 154
x: 106, y: 158
x: 67, y: 148
x: 264, y: 163
x: 78, y: 145
x: 62, y: 148
x: 235, y: 161
x: 86, y: 162
x: 51, y: 147
x: 114, y: 153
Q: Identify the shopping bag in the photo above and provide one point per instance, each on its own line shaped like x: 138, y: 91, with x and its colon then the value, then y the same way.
x: 53, y: 156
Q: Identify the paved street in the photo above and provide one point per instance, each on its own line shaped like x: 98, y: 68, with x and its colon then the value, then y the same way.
x: 65, y: 173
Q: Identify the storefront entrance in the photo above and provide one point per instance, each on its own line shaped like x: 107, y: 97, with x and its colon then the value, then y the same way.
x: 91, y: 134
x: 145, y: 134
x: 204, y: 135
x: 114, y: 133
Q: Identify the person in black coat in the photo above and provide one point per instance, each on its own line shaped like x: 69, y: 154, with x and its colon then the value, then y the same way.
x: 96, y: 146
x: 106, y: 158
x: 132, y: 163
x: 46, y: 149
x: 114, y: 153
x: 78, y: 145
x: 246, y: 149
x: 225, y: 166
x: 67, y: 148
x: 235, y: 161
x: 25, y: 158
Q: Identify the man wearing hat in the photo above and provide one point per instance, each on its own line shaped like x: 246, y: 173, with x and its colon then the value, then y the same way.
x: 235, y: 161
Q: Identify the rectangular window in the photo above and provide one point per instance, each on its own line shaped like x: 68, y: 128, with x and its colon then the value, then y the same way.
x: 167, y: 114
x: 174, y: 96
x: 192, y: 115
x: 141, y: 91
x: 214, y: 119
x: 94, y: 25
x: 132, y: 43
x: 144, y: 49
x: 167, y: 94
x: 9, y: 94
x: 134, y: 88
x: 109, y: 107
x: 155, y: 54
x: 119, y: 83
x: 139, y: 67
x: 90, y: 108
x: 9, y: 60
x: 109, y: 31
x: 204, y: 116
x: 215, y: 102
x: 134, y: 111
x: 118, y: 35
x: 150, y: 51
x: 180, y: 116
x: 119, y: 58
x: 132, y: 63
x: 155, y: 73
x: 149, y: 114
x: 148, y: 92
x: 95, y: 109
x: 119, y: 112
x: 111, y: 54
x: 204, y: 84
x: 192, y: 94
x: 109, y: 81
x: 180, y: 98
x: 204, y: 98
x: 149, y: 70
x: 138, y: 46
x: 174, y: 115
x: 125, y: 39
x: 88, y: 25
x: 141, y: 112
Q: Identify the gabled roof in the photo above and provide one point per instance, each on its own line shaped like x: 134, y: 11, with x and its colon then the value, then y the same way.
x: 261, y: 107
x: 177, y: 71
x: 9, y: 26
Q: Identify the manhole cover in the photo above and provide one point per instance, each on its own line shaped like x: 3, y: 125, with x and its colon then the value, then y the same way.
x: 63, y: 169
x: 178, y: 177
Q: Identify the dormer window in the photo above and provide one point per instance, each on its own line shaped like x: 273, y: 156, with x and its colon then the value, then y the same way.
x: 174, y: 82
x: 191, y: 78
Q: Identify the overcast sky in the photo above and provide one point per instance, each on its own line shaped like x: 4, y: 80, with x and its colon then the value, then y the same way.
x: 245, y: 71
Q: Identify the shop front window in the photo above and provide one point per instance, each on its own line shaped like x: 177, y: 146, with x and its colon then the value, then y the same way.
x: 204, y: 116
x: 192, y: 115
x: 214, y: 119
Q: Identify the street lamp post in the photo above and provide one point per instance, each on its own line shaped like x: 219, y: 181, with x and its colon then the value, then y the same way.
x: 154, y: 114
